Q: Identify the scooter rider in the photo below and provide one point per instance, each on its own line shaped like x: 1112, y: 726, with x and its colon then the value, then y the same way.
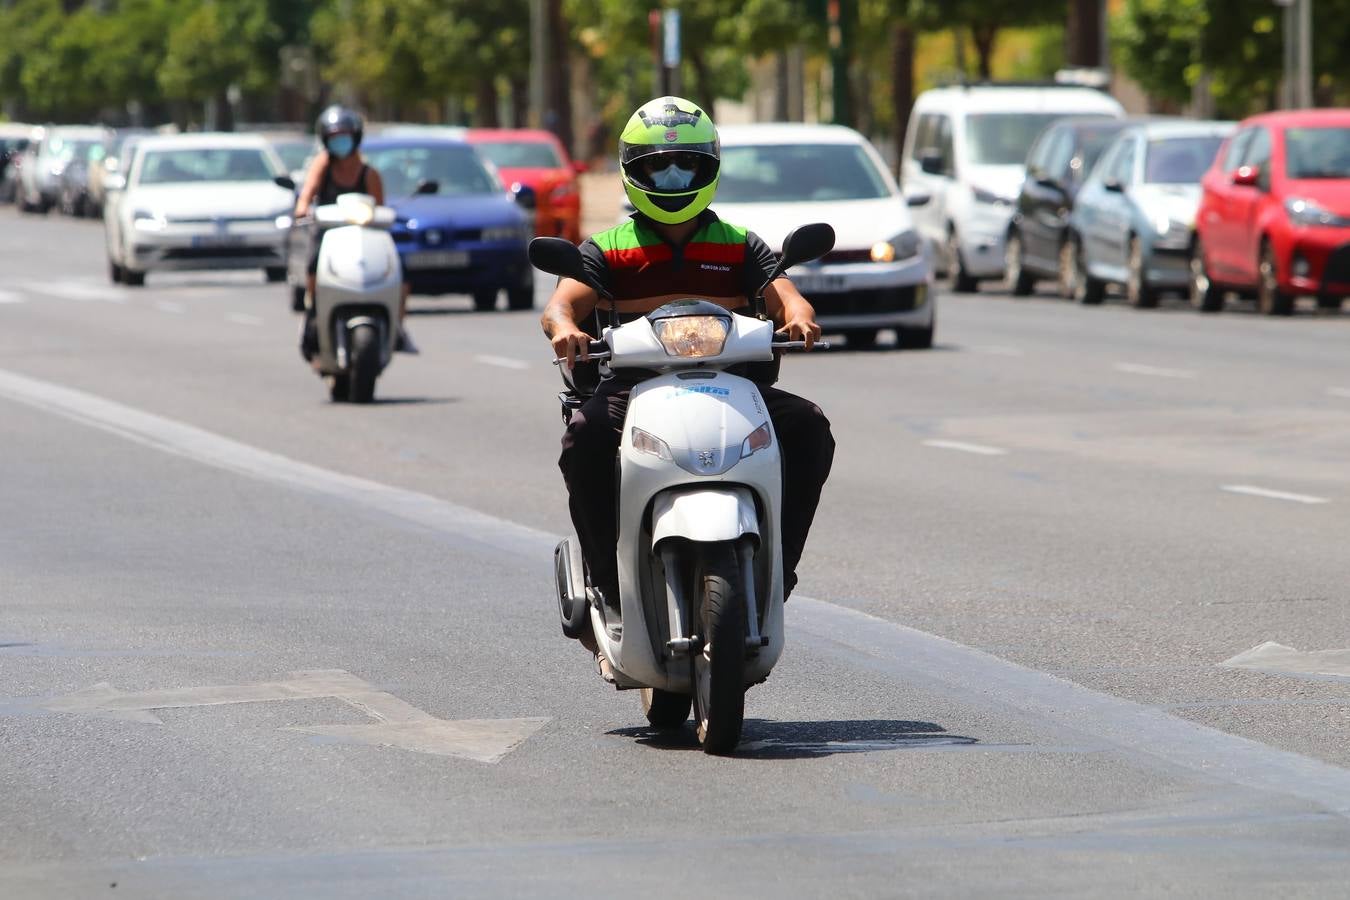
x: 673, y: 247
x: 339, y: 169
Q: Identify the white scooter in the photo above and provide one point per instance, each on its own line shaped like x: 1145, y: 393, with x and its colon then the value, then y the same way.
x: 356, y: 295
x: 700, y: 609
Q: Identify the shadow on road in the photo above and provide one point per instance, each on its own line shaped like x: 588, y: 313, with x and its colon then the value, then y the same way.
x: 768, y: 739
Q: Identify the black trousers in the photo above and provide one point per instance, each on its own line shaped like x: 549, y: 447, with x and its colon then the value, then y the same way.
x: 591, y: 443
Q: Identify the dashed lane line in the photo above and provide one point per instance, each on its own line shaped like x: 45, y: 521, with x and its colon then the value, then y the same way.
x: 11, y: 297
x: 169, y: 306
x: 1254, y: 491
x: 1137, y: 731
x: 502, y: 362
x: 963, y: 447
x: 79, y: 291
x: 1339, y: 392
x: 244, y: 319
x: 1155, y: 371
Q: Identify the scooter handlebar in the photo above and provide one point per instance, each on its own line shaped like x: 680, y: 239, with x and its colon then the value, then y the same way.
x: 782, y: 341
x: 594, y: 350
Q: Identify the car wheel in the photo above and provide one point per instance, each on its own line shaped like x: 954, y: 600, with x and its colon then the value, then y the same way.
x: 132, y: 278
x: 962, y: 282
x: 1205, y: 295
x: 1138, y: 291
x: 298, y: 298
x: 861, y: 338
x: 1067, y: 274
x: 1270, y: 300
x: 1016, y: 279
x: 276, y: 274
x: 114, y: 272
x: 520, y: 298
x: 1088, y: 291
x: 485, y: 301
x: 915, y: 338
x: 1328, y: 303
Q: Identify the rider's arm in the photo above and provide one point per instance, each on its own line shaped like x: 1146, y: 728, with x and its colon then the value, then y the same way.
x: 375, y: 184
x: 789, y: 310
x: 313, y: 178
x: 570, y: 304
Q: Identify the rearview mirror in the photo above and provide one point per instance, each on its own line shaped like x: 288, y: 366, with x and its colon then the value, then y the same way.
x: 114, y: 182
x: 1114, y: 185
x: 917, y: 199
x: 524, y: 195
x: 806, y: 243
x: 1247, y: 176
x: 284, y: 181
x: 558, y: 256
x: 930, y: 162
x: 580, y: 167
x: 428, y: 186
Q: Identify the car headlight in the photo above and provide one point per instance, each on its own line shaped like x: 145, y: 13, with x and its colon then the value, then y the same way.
x: 903, y: 246
x: 692, y: 337
x: 989, y: 197
x: 646, y: 442
x: 1303, y: 211
x: 760, y: 438
x: 284, y: 221
x: 143, y: 220
x: 503, y: 233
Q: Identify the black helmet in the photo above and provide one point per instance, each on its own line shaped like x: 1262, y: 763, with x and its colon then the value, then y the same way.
x: 338, y: 119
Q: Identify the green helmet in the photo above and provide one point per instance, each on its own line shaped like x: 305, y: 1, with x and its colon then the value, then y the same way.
x: 670, y: 158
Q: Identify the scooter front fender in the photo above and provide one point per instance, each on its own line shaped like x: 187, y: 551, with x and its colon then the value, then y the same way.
x: 725, y: 513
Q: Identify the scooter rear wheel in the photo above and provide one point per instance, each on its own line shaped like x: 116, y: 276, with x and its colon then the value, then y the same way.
x: 718, y: 669
x: 665, y: 711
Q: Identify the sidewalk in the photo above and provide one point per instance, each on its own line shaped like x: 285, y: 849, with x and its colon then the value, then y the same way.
x: 601, y: 201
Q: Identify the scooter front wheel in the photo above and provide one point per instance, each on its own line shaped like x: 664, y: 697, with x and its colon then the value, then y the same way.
x: 718, y: 668
x: 365, y: 362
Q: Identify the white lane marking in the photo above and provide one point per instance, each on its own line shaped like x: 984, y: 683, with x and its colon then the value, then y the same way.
x: 998, y: 350
x: 1272, y: 657
x: 80, y: 291
x: 169, y: 306
x: 504, y: 362
x: 11, y: 297
x: 1253, y: 491
x: 901, y: 653
x: 1155, y: 371
x: 962, y: 446
x: 398, y: 724
x: 244, y: 319
x: 1339, y: 392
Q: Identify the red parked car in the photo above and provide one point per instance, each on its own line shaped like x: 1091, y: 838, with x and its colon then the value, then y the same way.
x: 537, y: 160
x: 1274, y: 218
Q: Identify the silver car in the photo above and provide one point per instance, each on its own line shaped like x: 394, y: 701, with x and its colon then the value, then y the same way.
x: 1134, y: 217
x: 45, y: 160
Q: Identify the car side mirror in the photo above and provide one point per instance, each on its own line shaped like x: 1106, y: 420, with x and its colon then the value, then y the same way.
x: 917, y: 199
x: 930, y: 162
x: 428, y: 186
x: 580, y: 167
x: 284, y: 181
x: 1113, y: 185
x: 115, y: 182
x: 1247, y: 176
x: 524, y: 195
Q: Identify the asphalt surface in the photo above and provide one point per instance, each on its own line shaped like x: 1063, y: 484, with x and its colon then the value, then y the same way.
x: 1004, y: 674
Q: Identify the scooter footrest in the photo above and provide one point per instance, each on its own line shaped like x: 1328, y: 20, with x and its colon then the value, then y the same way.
x: 682, y: 646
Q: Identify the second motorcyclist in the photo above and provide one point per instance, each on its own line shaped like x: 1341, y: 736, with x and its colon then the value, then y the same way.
x: 674, y: 247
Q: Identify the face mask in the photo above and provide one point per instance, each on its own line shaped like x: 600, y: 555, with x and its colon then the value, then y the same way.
x: 672, y: 178
x: 341, y: 145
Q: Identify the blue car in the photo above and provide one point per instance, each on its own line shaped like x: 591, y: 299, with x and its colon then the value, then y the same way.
x: 457, y: 231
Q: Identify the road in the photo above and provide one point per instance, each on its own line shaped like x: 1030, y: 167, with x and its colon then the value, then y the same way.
x: 253, y: 644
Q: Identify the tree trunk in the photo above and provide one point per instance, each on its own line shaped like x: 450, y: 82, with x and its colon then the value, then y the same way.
x: 520, y: 102
x: 558, y: 89
x: 1084, y: 33
x: 485, y: 103
x: 704, y: 96
x: 902, y: 85
x: 984, y: 36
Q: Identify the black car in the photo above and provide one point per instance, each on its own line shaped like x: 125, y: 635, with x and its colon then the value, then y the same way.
x: 1057, y: 165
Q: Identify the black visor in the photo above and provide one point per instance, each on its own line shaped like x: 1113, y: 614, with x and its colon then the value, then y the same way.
x: 640, y: 161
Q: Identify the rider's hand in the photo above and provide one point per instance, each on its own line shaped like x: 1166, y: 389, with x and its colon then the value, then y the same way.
x: 802, y: 327
x: 570, y: 344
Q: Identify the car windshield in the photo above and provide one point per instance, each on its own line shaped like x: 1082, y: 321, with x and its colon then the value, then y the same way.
x: 205, y: 164
x: 797, y: 173
x: 1004, y: 139
x: 457, y: 170
x: 1317, y: 152
x: 1180, y: 160
x: 73, y: 150
x: 520, y: 154
x: 294, y: 153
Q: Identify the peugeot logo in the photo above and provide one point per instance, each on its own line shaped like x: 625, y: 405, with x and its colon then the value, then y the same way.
x: 707, y: 458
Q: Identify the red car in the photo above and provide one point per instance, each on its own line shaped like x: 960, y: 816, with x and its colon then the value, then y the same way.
x: 1274, y: 217
x: 537, y: 160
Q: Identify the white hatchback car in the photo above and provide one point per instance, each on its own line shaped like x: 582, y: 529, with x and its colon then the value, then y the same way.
x: 199, y: 201
x: 776, y: 177
x: 965, y: 159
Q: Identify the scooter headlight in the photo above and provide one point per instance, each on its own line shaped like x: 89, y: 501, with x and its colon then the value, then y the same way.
x: 645, y: 442
x: 356, y: 208
x: 760, y: 438
x: 692, y: 337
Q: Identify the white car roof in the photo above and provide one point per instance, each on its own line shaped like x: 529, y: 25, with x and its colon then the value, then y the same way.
x: 18, y: 130
x: 987, y: 98
x: 1185, y: 128
x: 201, y: 140
x: 79, y: 132
x: 788, y: 133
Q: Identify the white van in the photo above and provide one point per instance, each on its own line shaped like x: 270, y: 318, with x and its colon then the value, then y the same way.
x: 964, y: 160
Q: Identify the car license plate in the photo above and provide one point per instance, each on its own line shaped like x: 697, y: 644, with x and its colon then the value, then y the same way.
x: 217, y: 240
x: 815, y: 283
x: 439, y: 259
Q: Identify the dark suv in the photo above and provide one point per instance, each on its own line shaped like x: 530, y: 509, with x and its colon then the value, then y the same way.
x: 1058, y: 163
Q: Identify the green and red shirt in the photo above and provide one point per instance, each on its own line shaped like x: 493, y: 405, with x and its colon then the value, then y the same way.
x: 634, y: 262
